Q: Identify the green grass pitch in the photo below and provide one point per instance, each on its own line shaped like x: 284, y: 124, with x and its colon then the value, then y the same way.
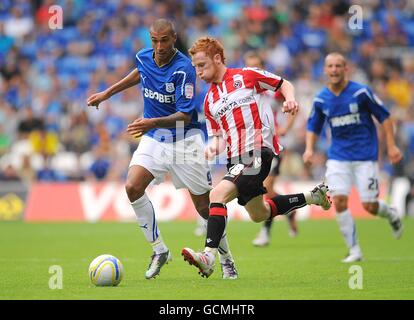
x: 306, y: 267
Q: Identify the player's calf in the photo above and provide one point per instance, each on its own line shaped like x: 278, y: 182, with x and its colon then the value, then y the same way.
x: 371, y: 207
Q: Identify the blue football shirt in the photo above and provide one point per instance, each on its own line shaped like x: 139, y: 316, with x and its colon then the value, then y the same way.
x: 349, y: 115
x: 167, y: 90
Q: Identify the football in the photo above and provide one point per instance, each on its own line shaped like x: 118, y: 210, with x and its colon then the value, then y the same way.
x: 106, y: 270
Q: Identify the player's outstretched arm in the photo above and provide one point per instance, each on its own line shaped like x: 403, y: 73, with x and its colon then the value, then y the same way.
x: 290, y: 104
x: 394, y: 153
x: 281, y: 131
x: 311, y: 139
x: 141, y: 125
x: 130, y: 80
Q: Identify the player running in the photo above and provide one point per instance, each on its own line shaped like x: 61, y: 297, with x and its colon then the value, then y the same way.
x: 232, y: 108
x: 170, y: 138
x: 254, y: 60
x: 352, y: 158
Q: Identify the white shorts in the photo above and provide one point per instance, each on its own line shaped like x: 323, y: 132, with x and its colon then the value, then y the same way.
x: 183, y: 160
x: 342, y: 175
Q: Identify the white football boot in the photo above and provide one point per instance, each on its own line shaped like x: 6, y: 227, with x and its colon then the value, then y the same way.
x: 396, y: 224
x: 204, y: 261
x: 320, y: 196
x: 228, y: 269
x: 158, y: 260
x: 354, y: 255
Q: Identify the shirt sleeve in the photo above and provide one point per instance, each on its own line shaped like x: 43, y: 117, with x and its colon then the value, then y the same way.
x: 138, y: 61
x: 279, y: 96
x: 316, y: 117
x: 185, y: 81
x: 263, y: 80
x: 375, y: 105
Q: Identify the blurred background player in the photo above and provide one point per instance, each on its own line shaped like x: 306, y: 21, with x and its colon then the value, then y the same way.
x: 168, y: 82
x: 253, y: 59
x: 233, y: 110
x: 348, y: 107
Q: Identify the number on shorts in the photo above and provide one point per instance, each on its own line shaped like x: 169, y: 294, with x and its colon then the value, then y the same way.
x: 210, y: 182
x: 236, y: 169
x: 373, y: 185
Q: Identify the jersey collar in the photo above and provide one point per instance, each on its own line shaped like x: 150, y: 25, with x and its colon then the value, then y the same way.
x: 168, y: 62
x: 340, y: 93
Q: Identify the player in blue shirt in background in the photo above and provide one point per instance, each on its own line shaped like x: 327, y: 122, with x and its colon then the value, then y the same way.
x: 352, y: 157
x: 171, y: 138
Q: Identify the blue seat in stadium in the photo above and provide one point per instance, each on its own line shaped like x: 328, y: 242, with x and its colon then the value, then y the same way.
x: 408, y: 27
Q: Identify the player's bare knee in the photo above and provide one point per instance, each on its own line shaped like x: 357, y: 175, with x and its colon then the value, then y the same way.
x: 258, y: 215
x: 134, y: 191
x: 201, y: 204
x: 371, y: 207
x: 202, y: 209
x: 217, y: 196
x: 257, y: 218
x: 340, y: 203
x: 341, y: 208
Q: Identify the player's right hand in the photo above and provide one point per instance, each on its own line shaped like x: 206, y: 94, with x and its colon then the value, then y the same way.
x: 307, y: 157
x: 290, y: 106
x: 216, y: 146
x: 394, y: 154
x: 95, y: 99
x: 132, y: 129
x: 210, y: 152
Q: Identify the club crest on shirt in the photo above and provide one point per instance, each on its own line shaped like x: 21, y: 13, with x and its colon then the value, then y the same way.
x: 169, y: 87
x: 189, y: 90
x: 237, y: 84
x: 353, y: 107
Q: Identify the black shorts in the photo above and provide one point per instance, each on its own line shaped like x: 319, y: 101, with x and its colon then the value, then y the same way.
x: 275, y: 168
x: 248, y: 172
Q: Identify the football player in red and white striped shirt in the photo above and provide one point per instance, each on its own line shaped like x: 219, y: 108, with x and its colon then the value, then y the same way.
x: 233, y: 110
x: 254, y: 60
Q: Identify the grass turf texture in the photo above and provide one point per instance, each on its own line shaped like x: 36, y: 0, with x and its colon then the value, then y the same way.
x: 306, y: 267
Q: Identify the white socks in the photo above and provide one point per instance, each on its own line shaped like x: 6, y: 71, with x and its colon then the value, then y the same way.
x: 385, y: 211
x: 347, y: 227
x: 146, y: 218
x: 224, y: 249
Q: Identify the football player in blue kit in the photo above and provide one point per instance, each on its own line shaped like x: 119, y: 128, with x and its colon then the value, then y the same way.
x: 171, y: 141
x: 348, y: 108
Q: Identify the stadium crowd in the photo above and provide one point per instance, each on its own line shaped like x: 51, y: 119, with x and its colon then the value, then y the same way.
x: 47, y: 133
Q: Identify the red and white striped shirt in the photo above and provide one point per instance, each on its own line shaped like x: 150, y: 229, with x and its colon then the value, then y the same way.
x: 234, y: 109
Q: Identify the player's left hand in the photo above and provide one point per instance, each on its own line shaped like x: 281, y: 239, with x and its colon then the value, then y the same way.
x: 394, y: 154
x: 290, y: 106
x: 281, y: 131
x: 140, y: 126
